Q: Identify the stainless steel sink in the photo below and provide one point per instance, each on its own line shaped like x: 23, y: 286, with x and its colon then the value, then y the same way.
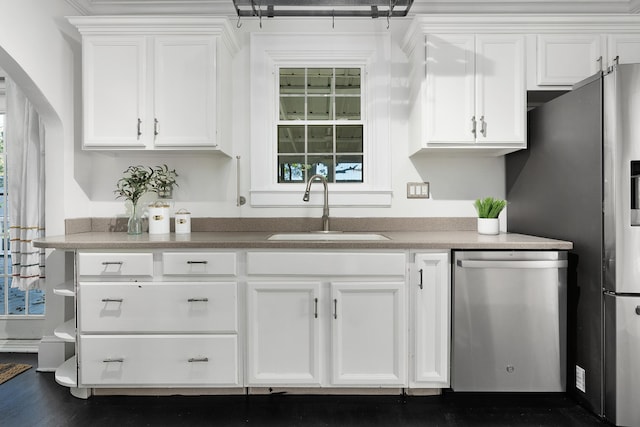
x: 328, y: 236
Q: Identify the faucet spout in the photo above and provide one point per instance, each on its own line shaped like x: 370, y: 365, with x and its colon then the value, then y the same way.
x: 325, y: 208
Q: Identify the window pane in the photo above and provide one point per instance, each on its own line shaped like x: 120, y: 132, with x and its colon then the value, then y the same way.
x: 291, y: 108
x: 291, y: 80
x: 291, y: 169
x: 16, y: 300
x: 347, y: 108
x: 349, y: 139
x: 320, y: 139
x: 348, y: 81
x: 36, y: 301
x: 320, y: 108
x: 322, y: 165
x: 290, y: 139
x: 319, y: 80
x: 348, y: 168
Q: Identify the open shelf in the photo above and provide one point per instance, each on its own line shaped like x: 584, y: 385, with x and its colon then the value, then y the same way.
x: 66, y: 331
x: 65, y: 289
x: 67, y: 373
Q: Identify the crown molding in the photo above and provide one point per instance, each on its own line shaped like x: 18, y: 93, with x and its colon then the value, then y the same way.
x: 225, y: 7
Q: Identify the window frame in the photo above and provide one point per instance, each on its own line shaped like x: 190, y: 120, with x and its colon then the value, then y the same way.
x: 371, y: 53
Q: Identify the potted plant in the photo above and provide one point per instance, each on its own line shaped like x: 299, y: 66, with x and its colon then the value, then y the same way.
x: 488, y: 210
x: 162, y: 181
x: 132, y: 186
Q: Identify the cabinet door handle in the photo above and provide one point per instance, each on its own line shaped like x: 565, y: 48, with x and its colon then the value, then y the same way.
x: 139, y: 128
x: 420, y: 282
x: 112, y: 299
x: 155, y: 127
x: 483, y: 126
x: 112, y: 262
x: 197, y: 262
x: 335, y: 308
x: 315, y: 308
x: 198, y: 359
x: 473, y: 126
x: 638, y: 310
x: 113, y: 360
x: 198, y: 300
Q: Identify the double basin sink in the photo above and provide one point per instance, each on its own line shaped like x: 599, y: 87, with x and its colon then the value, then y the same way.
x: 328, y: 236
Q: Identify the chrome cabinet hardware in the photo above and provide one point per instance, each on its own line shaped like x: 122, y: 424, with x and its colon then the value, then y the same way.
x: 198, y: 300
x: 112, y: 300
x: 113, y: 360
x: 473, y: 125
x: 155, y: 127
x: 638, y: 310
x: 198, y: 359
x: 112, y: 262
x: 483, y: 126
x: 197, y: 262
x: 315, y: 308
x: 139, y: 128
x: 420, y: 282
x: 335, y: 308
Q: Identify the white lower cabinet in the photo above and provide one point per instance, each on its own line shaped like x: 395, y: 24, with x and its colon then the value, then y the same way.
x: 325, y: 331
x: 283, y: 333
x: 431, y: 314
x: 368, y: 334
x: 159, y: 360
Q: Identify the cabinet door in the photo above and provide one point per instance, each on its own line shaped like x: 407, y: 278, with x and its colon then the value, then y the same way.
x: 114, y: 91
x: 368, y: 334
x: 565, y: 59
x: 500, y: 89
x: 283, y: 337
x: 184, y: 91
x: 449, y: 96
x: 431, y: 299
x: 626, y: 47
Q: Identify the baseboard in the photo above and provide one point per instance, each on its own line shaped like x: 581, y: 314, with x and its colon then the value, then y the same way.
x: 19, y: 346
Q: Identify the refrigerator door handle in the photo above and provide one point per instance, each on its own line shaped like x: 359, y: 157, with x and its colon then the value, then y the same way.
x: 468, y: 263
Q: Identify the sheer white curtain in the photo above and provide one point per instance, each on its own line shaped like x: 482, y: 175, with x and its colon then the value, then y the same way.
x: 24, y: 144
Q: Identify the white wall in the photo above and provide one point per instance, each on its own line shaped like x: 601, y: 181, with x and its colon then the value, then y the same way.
x: 208, y: 183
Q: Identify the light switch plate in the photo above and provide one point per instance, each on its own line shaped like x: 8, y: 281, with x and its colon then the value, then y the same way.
x: 417, y: 190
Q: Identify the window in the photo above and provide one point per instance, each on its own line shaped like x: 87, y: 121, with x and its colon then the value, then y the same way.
x: 320, y: 104
x: 320, y: 124
x: 13, y: 302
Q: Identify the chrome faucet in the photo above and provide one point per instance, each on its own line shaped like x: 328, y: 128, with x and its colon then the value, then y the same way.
x: 325, y: 208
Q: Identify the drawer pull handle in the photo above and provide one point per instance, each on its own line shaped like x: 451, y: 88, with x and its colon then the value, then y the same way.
x: 114, y: 360
x: 335, y: 308
x: 420, y: 283
x: 198, y: 300
x: 112, y: 262
x: 198, y: 359
x: 315, y: 308
x: 112, y: 299
x: 197, y: 262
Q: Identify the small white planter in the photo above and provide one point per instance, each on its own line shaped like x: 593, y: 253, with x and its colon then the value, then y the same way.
x: 488, y: 226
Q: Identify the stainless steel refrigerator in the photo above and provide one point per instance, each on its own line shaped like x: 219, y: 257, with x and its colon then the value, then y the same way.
x: 579, y: 180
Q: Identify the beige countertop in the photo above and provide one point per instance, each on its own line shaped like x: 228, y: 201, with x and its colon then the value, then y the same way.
x: 258, y: 240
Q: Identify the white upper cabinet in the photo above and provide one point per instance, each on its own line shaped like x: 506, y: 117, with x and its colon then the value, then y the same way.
x: 626, y: 47
x: 472, y: 97
x: 153, y: 83
x: 565, y: 59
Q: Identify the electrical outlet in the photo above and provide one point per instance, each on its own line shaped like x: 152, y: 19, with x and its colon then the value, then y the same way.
x: 580, y: 379
x: 417, y: 190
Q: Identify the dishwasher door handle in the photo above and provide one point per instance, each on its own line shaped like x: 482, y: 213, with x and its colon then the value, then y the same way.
x: 471, y: 263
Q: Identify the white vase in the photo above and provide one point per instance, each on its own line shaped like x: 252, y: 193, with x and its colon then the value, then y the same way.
x: 488, y: 226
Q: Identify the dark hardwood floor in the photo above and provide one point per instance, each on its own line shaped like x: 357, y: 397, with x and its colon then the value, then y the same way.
x: 35, y: 399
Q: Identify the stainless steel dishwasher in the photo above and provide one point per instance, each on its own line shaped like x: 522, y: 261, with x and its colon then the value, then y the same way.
x: 509, y: 321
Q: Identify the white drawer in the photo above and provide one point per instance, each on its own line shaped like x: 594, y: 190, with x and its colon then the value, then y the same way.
x: 199, y: 263
x: 115, y: 264
x: 157, y: 307
x: 161, y: 360
x: 326, y: 263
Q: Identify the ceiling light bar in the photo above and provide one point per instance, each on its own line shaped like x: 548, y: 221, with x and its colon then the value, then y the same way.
x: 323, y: 8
